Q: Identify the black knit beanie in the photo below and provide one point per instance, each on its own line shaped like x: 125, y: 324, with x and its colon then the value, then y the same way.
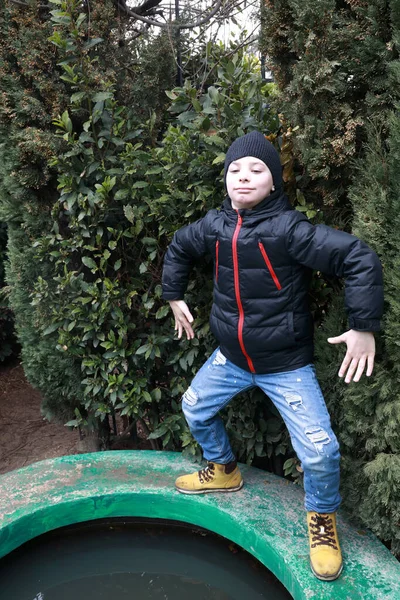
x: 255, y: 144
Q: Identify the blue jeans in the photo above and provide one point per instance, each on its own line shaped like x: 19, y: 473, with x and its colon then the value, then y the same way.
x: 297, y: 396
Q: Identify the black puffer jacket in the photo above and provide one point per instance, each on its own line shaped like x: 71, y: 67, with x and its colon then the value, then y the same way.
x: 263, y: 262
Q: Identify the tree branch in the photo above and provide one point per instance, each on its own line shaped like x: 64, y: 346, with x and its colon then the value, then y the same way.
x: 122, y: 6
x: 26, y: 5
x: 145, y: 7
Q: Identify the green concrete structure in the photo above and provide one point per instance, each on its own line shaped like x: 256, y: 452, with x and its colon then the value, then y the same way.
x: 266, y: 517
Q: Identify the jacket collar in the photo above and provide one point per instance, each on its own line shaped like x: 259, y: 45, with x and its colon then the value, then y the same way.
x: 272, y: 205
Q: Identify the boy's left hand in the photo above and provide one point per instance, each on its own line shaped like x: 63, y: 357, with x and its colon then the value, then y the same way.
x: 360, y: 352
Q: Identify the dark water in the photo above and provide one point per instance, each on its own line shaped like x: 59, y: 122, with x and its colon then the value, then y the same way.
x: 121, y: 560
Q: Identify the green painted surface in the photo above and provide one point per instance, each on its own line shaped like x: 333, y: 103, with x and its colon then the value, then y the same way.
x: 266, y: 517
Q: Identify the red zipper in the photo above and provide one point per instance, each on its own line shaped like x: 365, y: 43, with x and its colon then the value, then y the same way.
x: 216, y: 260
x: 269, y: 265
x: 237, y: 293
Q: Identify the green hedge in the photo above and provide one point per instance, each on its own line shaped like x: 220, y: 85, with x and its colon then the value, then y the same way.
x: 338, y: 72
x: 86, y: 251
x: 8, y: 345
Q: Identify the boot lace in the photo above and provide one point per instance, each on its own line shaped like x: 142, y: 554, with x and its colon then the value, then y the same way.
x: 322, y: 531
x: 207, y: 474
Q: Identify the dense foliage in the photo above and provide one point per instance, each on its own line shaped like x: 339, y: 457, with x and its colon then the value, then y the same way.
x: 35, y: 89
x: 7, y: 338
x: 331, y: 62
x: 338, y: 71
x: 86, y: 250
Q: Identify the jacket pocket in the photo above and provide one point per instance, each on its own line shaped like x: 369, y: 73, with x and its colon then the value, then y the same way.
x: 216, y: 260
x: 269, y: 265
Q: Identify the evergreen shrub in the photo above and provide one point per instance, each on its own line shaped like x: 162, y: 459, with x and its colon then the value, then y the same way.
x: 330, y: 60
x: 7, y: 338
x: 120, y: 203
x: 337, y: 68
x: 93, y: 189
x: 366, y: 415
x: 92, y: 193
x: 35, y: 89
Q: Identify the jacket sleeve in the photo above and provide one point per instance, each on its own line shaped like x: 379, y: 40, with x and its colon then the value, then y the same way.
x: 343, y: 255
x: 188, y: 244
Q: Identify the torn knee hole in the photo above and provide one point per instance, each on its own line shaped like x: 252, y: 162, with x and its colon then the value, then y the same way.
x: 190, y: 397
x: 219, y: 359
x: 318, y: 436
x: 293, y: 399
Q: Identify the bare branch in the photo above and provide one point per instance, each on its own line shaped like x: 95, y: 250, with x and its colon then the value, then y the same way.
x: 146, y: 6
x: 122, y: 6
x: 26, y: 5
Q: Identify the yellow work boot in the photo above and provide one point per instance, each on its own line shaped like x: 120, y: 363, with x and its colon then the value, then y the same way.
x: 213, y: 478
x: 325, y: 554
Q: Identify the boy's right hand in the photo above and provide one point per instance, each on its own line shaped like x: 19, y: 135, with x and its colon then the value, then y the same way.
x: 183, y: 318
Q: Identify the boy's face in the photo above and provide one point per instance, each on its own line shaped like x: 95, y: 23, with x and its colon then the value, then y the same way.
x: 248, y: 182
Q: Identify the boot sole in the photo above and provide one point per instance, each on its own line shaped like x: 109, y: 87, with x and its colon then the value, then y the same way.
x: 209, y: 490
x: 330, y: 577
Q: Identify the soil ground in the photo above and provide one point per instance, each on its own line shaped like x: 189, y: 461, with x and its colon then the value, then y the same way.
x: 26, y: 437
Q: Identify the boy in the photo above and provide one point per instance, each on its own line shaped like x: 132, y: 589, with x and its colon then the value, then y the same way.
x: 264, y: 252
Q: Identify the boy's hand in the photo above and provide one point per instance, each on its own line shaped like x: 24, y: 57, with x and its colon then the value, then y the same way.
x: 183, y: 318
x: 360, y: 351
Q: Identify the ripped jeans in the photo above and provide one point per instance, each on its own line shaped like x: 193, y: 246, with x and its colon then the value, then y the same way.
x: 297, y: 396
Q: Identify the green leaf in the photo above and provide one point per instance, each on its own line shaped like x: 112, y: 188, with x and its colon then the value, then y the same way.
x: 89, y: 262
x: 71, y: 325
x: 259, y: 449
x: 93, y: 42
x: 213, y: 93
x: 143, y: 349
x: 149, y: 241
x: 196, y: 105
x: 121, y: 194
x: 76, y: 98
x: 117, y: 264
x: 147, y: 396
x: 154, y: 171
x: 161, y: 430
x: 162, y: 312
x: 66, y: 121
x: 156, y: 393
x: 72, y: 198
x: 288, y: 464
x: 300, y: 198
x: 101, y: 96
x: 85, y: 137
x: 51, y: 328
x: 80, y: 19
x: 230, y: 67
x: 92, y: 167
x: 129, y: 214
x: 205, y: 124
x: 219, y: 158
